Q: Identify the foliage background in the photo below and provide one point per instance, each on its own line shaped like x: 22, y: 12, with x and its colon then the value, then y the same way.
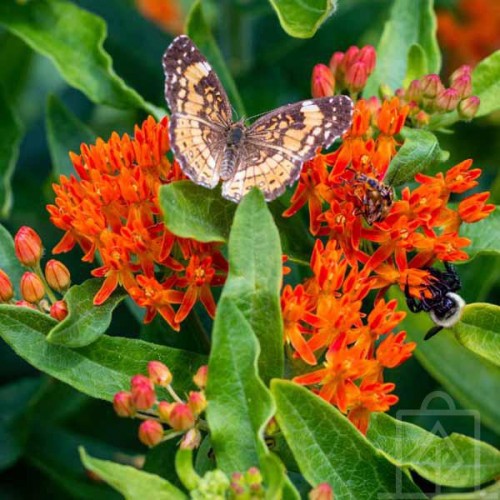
x: 269, y: 68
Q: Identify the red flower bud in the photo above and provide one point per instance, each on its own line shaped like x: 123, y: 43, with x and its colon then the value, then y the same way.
x: 335, y: 62
x: 143, y: 393
x: 150, y: 432
x: 57, y: 275
x: 200, y: 379
x: 32, y: 288
x: 463, y: 85
x: 159, y: 374
x: 368, y: 56
x: 181, y: 417
x: 322, y: 492
x: 356, y: 77
x: 6, y: 289
x: 350, y: 57
x: 322, y: 82
x: 447, y: 100
x: 164, y: 410
x: 431, y: 85
x: 467, y: 108
x: 28, y: 246
x: 197, y: 402
x: 59, y: 310
x: 122, y: 403
x: 25, y: 303
x: 191, y: 440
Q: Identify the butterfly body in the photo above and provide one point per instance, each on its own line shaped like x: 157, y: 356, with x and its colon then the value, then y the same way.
x: 267, y: 154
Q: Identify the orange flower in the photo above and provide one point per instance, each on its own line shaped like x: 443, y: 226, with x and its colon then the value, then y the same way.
x: 165, y: 13
x: 474, y: 209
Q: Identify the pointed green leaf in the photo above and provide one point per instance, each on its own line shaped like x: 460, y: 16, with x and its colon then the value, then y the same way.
x: 479, y: 330
x: 10, y: 139
x: 85, y: 322
x: 328, y: 448
x: 199, y: 31
x: 489, y: 493
x: 8, y: 260
x: 417, y: 64
x: 100, y: 369
x: 448, y: 361
x: 191, y: 211
x: 65, y: 133
x: 302, y: 19
x: 409, y: 23
x: 254, y: 279
x: 73, y: 39
x: 132, y: 483
x: 239, y: 404
x: 483, y: 235
x: 419, y: 151
x: 455, y: 460
x: 486, y: 83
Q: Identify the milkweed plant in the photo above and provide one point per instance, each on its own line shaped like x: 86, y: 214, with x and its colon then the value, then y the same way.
x: 161, y: 341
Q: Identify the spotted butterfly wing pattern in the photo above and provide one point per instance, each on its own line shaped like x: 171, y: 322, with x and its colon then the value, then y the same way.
x: 210, y: 146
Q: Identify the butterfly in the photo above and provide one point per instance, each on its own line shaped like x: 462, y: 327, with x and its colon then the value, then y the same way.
x: 210, y: 146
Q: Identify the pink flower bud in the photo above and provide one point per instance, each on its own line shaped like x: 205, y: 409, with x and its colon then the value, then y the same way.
x: 59, y: 310
x: 181, y: 417
x: 143, y: 393
x: 467, y: 108
x: 356, y: 77
x: 25, y: 303
x: 28, y: 246
x: 422, y: 118
x: 197, y: 402
x: 335, y: 62
x: 322, y: 82
x: 322, y: 492
x: 200, y: 379
x: 159, y: 374
x: 6, y: 289
x: 463, y: 85
x: 431, y: 85
x: 350, y: 57
x: 150, y: 432
x: 32, y: 288
x: 191, y: 440
x: 164, y: 410
x: 253, y: 477
x: 447, y: 100
x: 464, y: 70
x: 414, y: 92
x: 122, y: 403
x: 57, y: 275
x: 368, y: 56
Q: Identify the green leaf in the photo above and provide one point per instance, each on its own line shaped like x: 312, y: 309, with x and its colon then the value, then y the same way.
x: 198, y: 30
x: 455, y: 460
x: 417, y: 64
x: 239, y: 404
x: 302, y: 19
x: 15, y: 399
x: 8, y: 259
x: 65, y: 133
x: 483, y: 235
x: 10, y: 139
x: 479, y: 330
x: 328, y: 448
x: 191, y: 211
x: 100, y: 369
x: 419, y: 151
x: 73, y: 39
x: 410, y: 23
x: 486, y: 83
x: 132, y: 483
x: 254, y: 279
x: 489, y: 493
x: 85, y: 322
x: 448, y: 361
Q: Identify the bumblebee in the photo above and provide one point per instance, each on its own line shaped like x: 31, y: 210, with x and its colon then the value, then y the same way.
x: 444, y: 306
x: 375, y: 198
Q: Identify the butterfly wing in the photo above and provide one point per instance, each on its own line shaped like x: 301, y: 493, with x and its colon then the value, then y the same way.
x: 201, y: 112
x: 277, y: 144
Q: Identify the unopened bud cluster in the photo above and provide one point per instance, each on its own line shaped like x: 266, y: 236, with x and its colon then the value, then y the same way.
x: 247, y: 485
x: 428, y: 95
x: 347, y: 71
x: 37, y: 288
x: 182, y: 417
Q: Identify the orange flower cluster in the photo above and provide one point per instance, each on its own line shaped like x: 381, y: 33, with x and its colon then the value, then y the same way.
x: 113, y: 210
x: 372, y: 242
x: 472, y: 33
x: 167, y: 14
